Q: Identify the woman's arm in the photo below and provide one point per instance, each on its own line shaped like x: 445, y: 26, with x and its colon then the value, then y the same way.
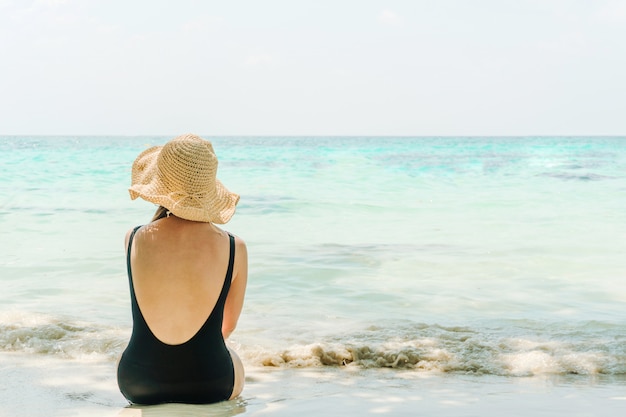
x: 234, y: 300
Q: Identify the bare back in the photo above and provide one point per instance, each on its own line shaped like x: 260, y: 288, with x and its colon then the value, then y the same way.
x: 178, y: 272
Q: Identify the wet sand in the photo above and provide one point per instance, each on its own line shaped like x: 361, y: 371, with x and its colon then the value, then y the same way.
x: 36, y: 386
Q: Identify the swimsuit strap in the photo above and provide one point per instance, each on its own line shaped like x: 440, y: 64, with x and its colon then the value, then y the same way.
x: 229, y: 271
x: 130, y: 244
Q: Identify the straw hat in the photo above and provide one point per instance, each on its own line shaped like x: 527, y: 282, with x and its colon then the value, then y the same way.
x: 181, y: 176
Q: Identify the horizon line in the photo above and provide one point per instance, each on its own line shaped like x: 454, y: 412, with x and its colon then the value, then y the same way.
x: 577, y: 135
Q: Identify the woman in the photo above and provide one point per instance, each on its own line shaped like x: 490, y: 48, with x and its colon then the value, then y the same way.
x: 187, y: 280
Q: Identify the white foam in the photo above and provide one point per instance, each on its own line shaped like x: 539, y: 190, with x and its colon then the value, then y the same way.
x: 59, y: 336
x: 418, y: 347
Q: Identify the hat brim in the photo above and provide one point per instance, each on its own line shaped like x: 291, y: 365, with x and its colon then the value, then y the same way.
x: 216, y: 205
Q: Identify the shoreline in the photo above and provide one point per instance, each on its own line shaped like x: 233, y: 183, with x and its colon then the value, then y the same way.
x: 38, y: 385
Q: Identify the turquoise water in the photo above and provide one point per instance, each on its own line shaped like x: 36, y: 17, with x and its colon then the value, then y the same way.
x: 502, y: 256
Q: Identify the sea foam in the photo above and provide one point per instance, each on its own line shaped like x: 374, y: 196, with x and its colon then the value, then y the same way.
x: 420, y: 347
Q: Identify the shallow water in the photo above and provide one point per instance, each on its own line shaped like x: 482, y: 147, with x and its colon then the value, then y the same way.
x: 488, y: 256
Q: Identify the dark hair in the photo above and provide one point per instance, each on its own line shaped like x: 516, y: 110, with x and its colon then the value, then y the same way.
x: 160, y: 213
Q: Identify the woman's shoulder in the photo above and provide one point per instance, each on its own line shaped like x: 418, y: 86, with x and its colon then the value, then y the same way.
x: 129, y: 233
x: 240, y: 245
x: 239, y: 242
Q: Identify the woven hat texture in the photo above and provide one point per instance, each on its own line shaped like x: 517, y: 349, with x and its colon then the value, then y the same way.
x: 182, y: 177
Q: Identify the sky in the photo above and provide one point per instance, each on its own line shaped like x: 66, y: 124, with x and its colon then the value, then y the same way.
x: 313, y: 67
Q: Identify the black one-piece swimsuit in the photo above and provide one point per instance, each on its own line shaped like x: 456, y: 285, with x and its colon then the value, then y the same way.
x: 198, y: 371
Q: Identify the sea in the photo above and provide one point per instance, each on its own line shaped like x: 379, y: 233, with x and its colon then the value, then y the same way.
x: 386, y: 274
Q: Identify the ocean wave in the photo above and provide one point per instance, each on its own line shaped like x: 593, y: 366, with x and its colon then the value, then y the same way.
x: 43, y: 334
x: 462, y: 350
x: 472, y: 357
x: 586, y: 349
x: 577, y: 177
